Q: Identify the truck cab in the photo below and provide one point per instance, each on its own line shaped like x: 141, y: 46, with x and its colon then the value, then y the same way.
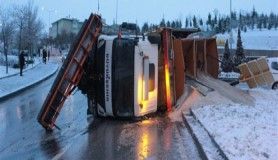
x: 127, y: 77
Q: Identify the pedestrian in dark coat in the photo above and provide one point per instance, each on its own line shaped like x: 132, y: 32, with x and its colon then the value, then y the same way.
x: 48, y: 55
x: 21, y: 62
x: 44, y: 55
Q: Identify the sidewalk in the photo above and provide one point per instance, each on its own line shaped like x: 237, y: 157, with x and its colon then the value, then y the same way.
x: 14, y: 84
x: 13, y: 71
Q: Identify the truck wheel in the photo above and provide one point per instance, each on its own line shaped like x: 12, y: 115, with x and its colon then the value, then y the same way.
x: 92, y: 108
x: 275, y: 85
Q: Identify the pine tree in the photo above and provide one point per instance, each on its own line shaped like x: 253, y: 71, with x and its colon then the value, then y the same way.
x: 224, y: 25
x: 186, y: 23
x: 178, y: 24
x: 227, y: 63
x: 173, y: 24
x: 227, y: 24
x: 201, y: 22
x: 239, y: 55
x: 195, y: 24
x: 209, y: 19
x: 276, y: 22
x: 254, y: 18
x: 162, y: 23
x: 145, y: 27
x: 260, y: 23
x: 265, y: 17
x: 214, y: 23
x: 240, y: 21
x: 271, y: 21
x: 215, y: 19
x: 220, y: 27
x: 209, y: 22
x: 168, y: 24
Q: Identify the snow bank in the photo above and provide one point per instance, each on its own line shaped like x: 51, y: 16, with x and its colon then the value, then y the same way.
x: 13, y: 71
x: 16, y: 83
x: 244, y: 132
x: 255, y: 39
x: 12, y: 60
x: 223, y: 94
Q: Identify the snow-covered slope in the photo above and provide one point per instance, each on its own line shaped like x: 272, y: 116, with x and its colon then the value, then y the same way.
x: 255, y: 39
x: 244, y: 132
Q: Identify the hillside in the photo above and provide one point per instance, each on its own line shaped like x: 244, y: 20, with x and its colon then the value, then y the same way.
x: 255, y: 39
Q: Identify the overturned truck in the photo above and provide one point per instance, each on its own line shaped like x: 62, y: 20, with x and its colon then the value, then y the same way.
x: 129, y: 76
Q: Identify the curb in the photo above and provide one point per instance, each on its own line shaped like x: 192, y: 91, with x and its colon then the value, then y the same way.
x: 194, y: 137
x: 198, y: 143
x: 9, y: 95
x: 15, y: 74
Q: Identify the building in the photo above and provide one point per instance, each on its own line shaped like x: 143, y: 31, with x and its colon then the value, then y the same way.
x: 68, y: 25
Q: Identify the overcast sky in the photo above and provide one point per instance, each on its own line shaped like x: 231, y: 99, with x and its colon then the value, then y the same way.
x: 141, y: 10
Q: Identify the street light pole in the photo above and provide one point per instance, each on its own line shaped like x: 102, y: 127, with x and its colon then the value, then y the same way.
x: 49, y: 14
x: 117, y: 12
x: 231, y: 32
x: 230, y: 7
x: 49, y: 23
x: 98, y: 6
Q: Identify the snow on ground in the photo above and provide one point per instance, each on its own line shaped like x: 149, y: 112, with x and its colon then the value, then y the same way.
x: 255, y: 39
x: 244, y: 132
x: 223, y: 93
x: 15, y: 83
x: 11, y: 60
x: 12, y: 71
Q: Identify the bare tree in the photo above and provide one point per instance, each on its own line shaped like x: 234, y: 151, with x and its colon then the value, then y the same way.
x: 19, y: 13
x: 29, y: 26
x: 7, y: 30
x: 64, y: 39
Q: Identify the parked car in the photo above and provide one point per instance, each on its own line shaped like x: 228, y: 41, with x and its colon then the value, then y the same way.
x: 273, y: 65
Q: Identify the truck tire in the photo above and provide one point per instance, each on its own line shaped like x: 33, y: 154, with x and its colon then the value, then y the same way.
x: 92, y: 108
x: 275, y: 85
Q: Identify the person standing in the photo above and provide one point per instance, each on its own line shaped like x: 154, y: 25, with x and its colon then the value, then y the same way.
x: 44, y: 54
x: 48, y: 54
x: 21, y: 62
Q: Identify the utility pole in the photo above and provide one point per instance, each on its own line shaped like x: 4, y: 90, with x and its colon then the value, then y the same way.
x: 116, y: 12
x: 49, y: 23
x: 98, y: 6
x: 231, y: 32
x: 49, y: 12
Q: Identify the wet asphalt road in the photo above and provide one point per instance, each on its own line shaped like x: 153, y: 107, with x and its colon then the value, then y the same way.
x: 82, y: 137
